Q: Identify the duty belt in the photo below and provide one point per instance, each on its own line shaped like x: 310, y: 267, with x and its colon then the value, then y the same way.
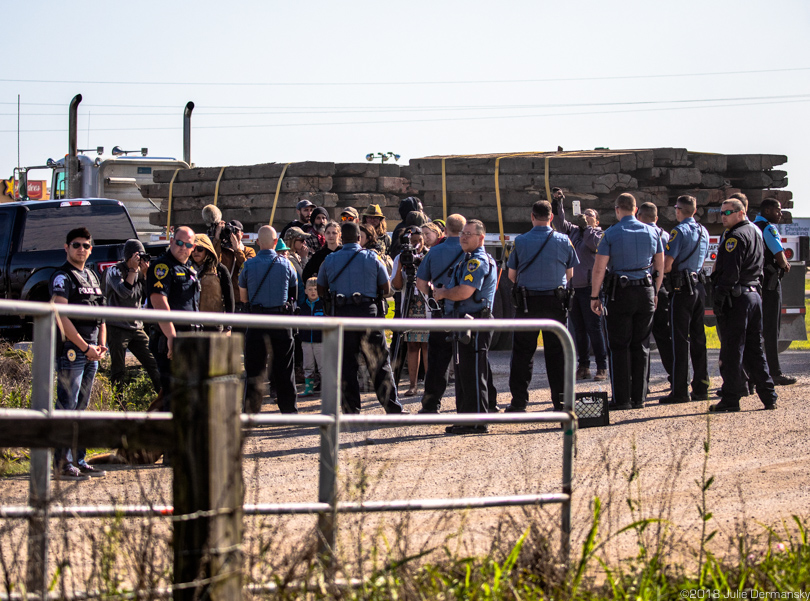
x: 531, y: 293
x: 279, y: 310
x: 355, y: 299
x: 641, y: 282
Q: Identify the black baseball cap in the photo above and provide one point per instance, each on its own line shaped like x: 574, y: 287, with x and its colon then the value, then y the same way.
x: 302, y: 204
x: 237, y: 225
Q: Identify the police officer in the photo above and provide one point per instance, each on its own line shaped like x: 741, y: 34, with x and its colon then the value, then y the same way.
x: 540, y: 266
x: 436, y: 272
x: 351, y: 279
x: 472, y: 292
x: 627, y: 251
x: 661, y: 328
x: 684, y: 256
x: 268, y: 285
x: 172, y: 285
x: 738, y: 307
x: 776, y: 265
x: 84, y: 346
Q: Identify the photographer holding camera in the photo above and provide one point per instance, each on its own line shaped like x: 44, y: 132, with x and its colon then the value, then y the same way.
x: 228, y: 246
x: 404, y: 279
x: 126, y: 287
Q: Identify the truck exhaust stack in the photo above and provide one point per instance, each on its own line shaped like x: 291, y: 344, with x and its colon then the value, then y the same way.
x: 73, y: 188
x: 187, y: 133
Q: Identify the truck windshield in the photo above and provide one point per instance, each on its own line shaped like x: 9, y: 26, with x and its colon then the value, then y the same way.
x: 45, y: 229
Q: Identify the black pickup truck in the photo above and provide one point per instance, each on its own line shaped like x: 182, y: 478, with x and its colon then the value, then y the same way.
x: 32, y: 245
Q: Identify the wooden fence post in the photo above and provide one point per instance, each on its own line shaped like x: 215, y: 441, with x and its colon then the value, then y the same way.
x: 207, y: 463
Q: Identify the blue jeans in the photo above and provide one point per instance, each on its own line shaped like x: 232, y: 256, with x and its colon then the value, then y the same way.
x: 74, y: 382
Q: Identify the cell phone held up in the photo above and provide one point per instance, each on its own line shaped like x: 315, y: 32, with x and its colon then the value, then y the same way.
x: 576, y: 208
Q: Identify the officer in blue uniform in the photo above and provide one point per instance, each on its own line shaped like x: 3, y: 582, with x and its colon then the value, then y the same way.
x: 268, y: 285
x: 628, y: 250
x: 350, y: 281
x: 172, y: 285
x: 436, y: 272
x: 683, y: 262
x: 540, y: 266
x: 738, y: 307
x: 661, y: 333
x: 776, y: 265
x: 472, y: 292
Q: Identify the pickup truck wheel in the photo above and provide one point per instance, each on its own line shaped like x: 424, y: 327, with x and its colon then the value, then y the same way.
x: 783, y: 345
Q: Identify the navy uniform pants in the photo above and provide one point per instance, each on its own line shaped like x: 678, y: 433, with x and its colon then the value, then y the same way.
x: 587, y: 327
x: 629, y: 322
x: 771, y: 322
x: 371, y: 343
x: 440, y: 353
x: 473, y: 374
x: 688, y: 341
x: 524, y: 345
x: 280, y: 346
x: 662, y: 332
x: 741, y: 350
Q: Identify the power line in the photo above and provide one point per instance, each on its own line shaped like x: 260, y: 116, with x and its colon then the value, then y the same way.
x: 404, y: 83
x: 352, y: 110
x: 407, y: 121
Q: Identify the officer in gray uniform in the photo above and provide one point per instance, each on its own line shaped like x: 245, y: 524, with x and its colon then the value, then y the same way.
x: 684, y: 256
x: 540, y: 266
x: 628, y: 250
x: 268, y: 286
x: 472, y: 292
x: 350, y: 281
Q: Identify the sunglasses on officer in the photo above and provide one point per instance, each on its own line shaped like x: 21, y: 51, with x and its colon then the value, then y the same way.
x: 84, y: 245
x: 728, y: 212
x: 182, y: 244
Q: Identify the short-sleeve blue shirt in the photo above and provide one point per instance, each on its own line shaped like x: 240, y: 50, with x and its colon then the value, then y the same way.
x: 688, y: 239
x: 365, y: 274
x: 630, y: 244
x: 478, y: 270
x: 280, y: 284
x: 547, y: 271
x: 771, y: 236
x: 440, y: 261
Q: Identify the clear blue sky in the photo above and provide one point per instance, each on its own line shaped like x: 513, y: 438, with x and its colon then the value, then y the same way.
x: 409, y: 77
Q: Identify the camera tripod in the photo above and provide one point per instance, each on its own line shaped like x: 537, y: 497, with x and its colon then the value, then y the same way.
x: 400, y: 349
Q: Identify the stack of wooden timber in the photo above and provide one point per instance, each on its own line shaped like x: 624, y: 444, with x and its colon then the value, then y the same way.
x: 596, y: 178
x: 246, y: 193
x: 361, y: 184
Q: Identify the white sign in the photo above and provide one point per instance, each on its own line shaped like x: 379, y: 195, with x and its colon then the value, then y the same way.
x: 799, y: 227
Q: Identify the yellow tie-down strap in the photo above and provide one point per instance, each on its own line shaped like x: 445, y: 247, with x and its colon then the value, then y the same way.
x: 169, y: 215
x: 278, y: 189
x: 216, y: 189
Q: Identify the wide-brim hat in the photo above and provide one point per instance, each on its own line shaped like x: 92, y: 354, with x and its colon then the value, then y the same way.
x: 373, y: 211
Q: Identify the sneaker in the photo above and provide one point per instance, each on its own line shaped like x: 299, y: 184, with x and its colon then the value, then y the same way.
x: 70, y: 473
x: 583, y: 373
x: 513, y: 409
x: 467, y: 429
x: 601, y: 374
x: 93, y: 472
x: 783, y: 380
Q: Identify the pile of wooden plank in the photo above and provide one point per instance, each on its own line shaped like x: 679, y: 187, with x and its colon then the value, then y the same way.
x: 360, y: 184
x: 596, y: 178
x: 246, y: 192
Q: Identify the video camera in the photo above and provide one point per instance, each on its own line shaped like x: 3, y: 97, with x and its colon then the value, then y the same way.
x: 409, y: 257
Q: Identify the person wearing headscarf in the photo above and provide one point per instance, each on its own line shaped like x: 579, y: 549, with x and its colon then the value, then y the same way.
x: 216, y: 291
